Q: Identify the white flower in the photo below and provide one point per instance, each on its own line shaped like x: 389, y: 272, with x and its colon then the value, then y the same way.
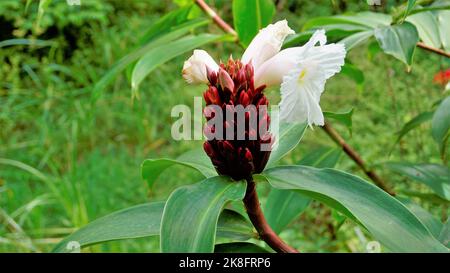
x: 267, y: 43
x: 194, y: 69
x: 302, y: 73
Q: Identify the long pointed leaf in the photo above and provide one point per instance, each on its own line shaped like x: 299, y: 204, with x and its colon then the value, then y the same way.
x: 414, y: 123
x: 389, y: 221
x: 250, y: 16
x: 436, y: 177
x: 145, y: 221
x: 431, y: 222
x: 288, y: 138
x: 196, y: 159
x: 135, y: 222
x: 190, y: 216
x: 428, y: 28
x: 440, y: 124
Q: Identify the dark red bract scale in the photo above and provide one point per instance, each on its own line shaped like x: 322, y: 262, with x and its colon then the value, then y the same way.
x: 231, y: 86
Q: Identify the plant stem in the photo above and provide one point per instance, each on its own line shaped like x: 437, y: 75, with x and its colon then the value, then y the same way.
x: 434, y: 50
x: 328, y: 129
x: 216, y: 18
x: 357, y: 158
x: 258, y: 220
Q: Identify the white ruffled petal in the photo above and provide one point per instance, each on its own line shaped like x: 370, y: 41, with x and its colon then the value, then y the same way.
x: 273, y: 70
x: 267, y: 43
x: 271, y: 73
x: 303, y: 85
x: 318, y: 37
x: 299, y: 100
x: 330, y: 57
x: 194, y: 69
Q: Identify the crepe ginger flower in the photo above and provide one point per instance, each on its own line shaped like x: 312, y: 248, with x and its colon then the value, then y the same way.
x: 300, y: 71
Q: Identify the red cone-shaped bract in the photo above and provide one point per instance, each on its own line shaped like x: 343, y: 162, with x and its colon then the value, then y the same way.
x: 231, y: 86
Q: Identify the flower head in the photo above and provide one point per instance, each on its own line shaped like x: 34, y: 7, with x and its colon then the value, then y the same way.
x: 301, y: 72
x: 230, y: 87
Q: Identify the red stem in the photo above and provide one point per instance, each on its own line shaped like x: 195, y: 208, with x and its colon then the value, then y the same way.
x: 217, y: 19
x: 258, y: 220
x: 434, y: 50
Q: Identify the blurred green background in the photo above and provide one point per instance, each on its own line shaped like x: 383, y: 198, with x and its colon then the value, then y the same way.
x: 66, y: 161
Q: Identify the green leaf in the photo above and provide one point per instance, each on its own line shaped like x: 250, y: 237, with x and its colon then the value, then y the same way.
x: 413, y: 123
x: 436, y: 177
x: 234, y: 226
x: 385, y: 218
x: 288, y: 138
x: 43, y: 5
x: 430, y: 8
x: 398, y: 40
x: 133, y: 56
x: 27, y: 42
x: 443, y: 18
x: 428, y: 28
x: 444, y: 235
x: 433, y: 224
x: 324, y: 157
x: 334, y: 32
x: 440, y: 124
x: 428, y: 197
x: 282, y: 206
x: 135, y: 222
x: 196, y: 159
x: 240, y: 247
x: 27, y: 5
x: 167, y: 23
x: 297, y: 39
x: 370, y: 20
x: 344, y: 118
x: 356, y: 39
x: 145, y: 221
x: 354, y: 73
x: 190, y: 216
x: 358, y: 27
x: 250, y: 16
x: 409, y: 7
x: 159, y: 55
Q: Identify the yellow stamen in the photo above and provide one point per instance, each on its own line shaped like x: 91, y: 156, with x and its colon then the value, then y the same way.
x: 302, y: 75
